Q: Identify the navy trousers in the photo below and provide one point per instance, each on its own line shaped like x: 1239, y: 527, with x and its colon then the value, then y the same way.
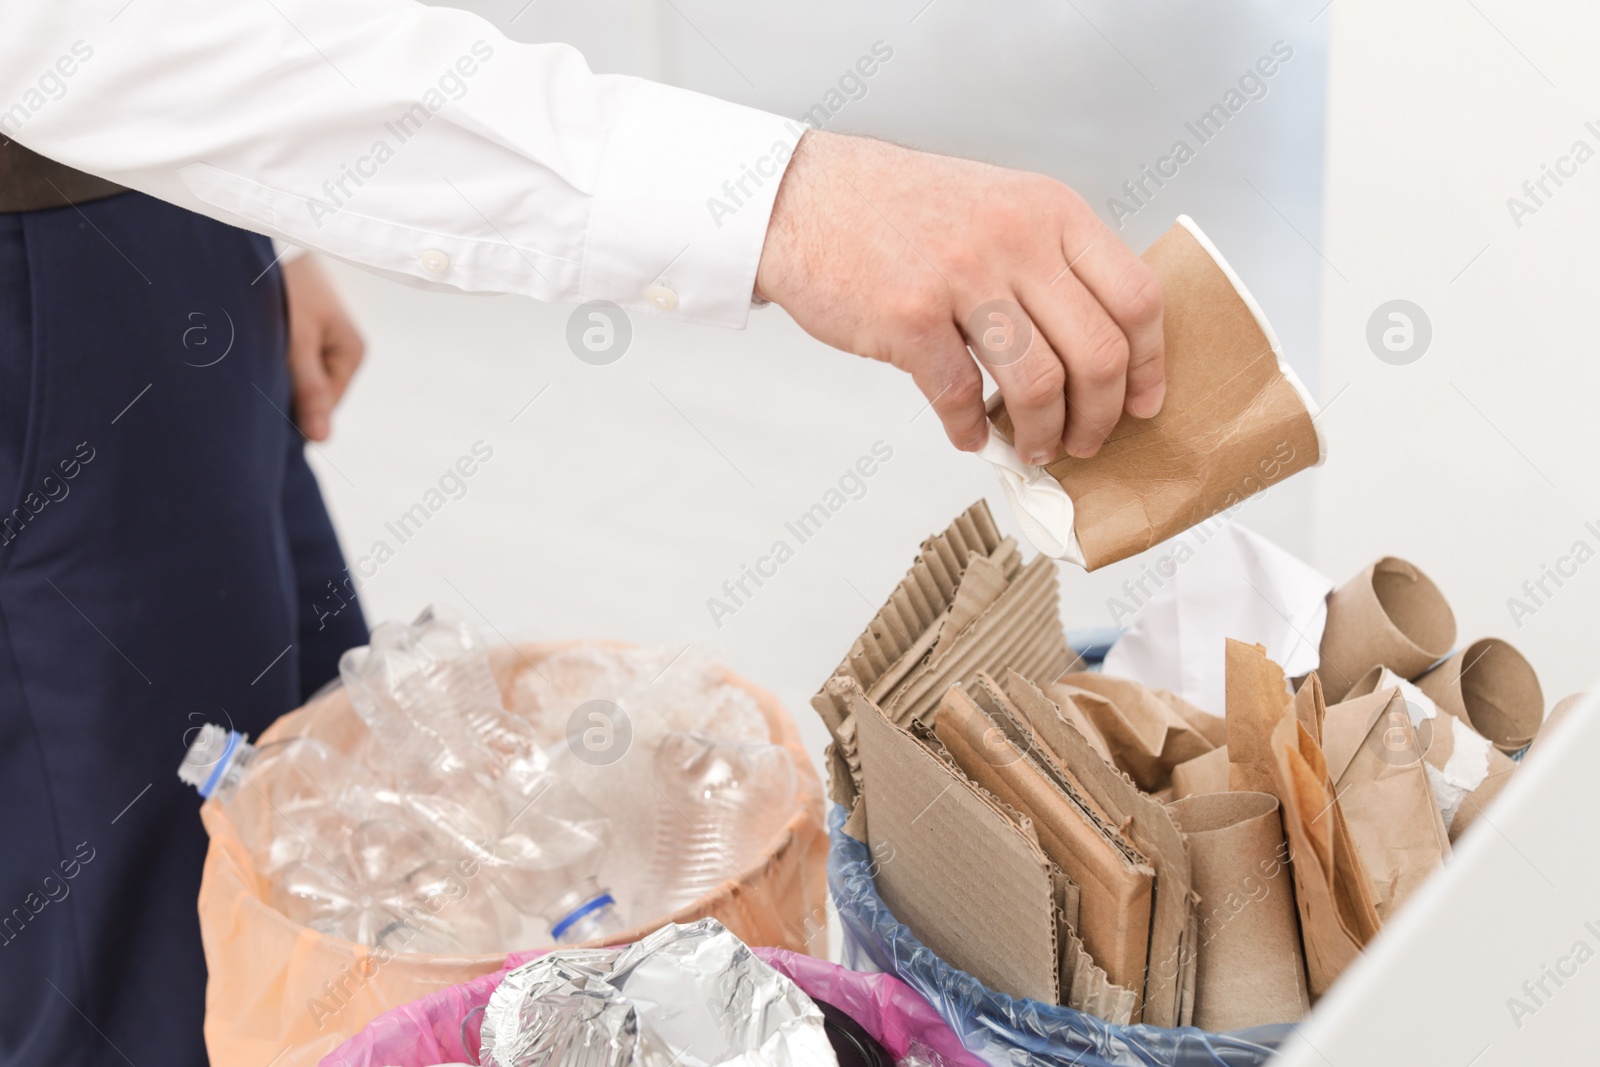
x: 164, y: 553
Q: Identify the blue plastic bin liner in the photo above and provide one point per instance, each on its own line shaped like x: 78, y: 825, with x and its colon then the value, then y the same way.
x: 1002, y: 1029
x: 1092, y: 643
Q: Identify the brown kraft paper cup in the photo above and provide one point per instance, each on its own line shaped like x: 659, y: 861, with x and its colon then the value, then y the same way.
x: 1250, y: 969
x: 1389, y: 615
x: 1233, y: 423
x: 1493, y: 688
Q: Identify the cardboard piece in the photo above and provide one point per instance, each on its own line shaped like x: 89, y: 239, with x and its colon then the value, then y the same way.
x: 967, y: 604
x: 1145, y: 821
x: 1464, y: 769
x: 969, y: 878
x: 1333, y: 893
x: 1389, y: 615
x: 1203, y: 774
x: 1114, y: 882
x: 1251, y: 969
x: 1491, y: 686
x: 1147, y: 731
x: 1379, y: 772
x: 1233, y: 423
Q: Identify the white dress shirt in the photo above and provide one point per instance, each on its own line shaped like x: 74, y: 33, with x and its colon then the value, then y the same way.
x: 415, y: 141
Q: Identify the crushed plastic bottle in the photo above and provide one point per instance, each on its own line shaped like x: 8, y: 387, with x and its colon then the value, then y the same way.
x: 476, y: 774
x: 721, y: 804
x: 388, y: 888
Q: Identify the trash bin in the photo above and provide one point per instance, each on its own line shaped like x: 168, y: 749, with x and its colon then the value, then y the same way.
x: 1002, y: 1029
x: 430, y: 1030
x: 284, y: 994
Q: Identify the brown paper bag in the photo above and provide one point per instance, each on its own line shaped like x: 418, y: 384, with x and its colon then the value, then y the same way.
x: 1147, y: 731
x: 1465, y: 770
x: 1491, y: 686
x: 1332, y: 891
x: 1233, y: 424
x: 1251, y: 967
x: 1389, y: 615
x: 1380, y: 774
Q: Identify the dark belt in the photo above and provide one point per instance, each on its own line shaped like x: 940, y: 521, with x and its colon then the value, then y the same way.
x: 30, y: 182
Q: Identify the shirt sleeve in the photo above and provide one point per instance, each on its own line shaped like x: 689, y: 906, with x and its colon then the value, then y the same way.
x: 414, y: 141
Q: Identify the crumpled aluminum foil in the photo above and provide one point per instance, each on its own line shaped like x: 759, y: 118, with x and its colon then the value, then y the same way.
x: 686, y: 996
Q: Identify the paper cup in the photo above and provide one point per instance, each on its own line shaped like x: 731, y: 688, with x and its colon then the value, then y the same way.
x: 1389, y: 615
x: 1250, y: 968
x: 1493, y: 688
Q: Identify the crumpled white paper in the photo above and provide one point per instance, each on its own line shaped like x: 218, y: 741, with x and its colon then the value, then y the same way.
x: 1042, y: 507
x: 1236, y: 584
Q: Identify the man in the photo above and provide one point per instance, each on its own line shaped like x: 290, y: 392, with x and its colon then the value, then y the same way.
x: 166, y: 541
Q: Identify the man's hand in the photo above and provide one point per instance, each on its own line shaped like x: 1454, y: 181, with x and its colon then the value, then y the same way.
x: 908, y: 258
x: 325, y: 348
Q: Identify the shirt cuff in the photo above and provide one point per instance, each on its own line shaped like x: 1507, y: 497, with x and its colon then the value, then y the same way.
x: 682, y: 203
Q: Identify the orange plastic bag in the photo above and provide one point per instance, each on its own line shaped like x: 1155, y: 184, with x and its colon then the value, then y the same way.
x: 281, y: 994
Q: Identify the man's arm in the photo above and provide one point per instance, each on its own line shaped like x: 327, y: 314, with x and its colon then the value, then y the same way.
x: 420, y: 143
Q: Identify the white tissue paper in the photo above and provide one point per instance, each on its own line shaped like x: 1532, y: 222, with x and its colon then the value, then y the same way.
x: 1235, y: 584
x: 1042, y: 507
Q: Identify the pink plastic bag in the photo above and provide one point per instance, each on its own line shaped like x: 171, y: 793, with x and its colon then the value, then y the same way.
x: 430, y: 1031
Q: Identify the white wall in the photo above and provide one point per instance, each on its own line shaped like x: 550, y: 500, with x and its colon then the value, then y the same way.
x: 1477, y: 461
x: 626, y: 495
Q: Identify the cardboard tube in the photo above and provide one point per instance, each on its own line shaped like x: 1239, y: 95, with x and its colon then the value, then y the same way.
x: 1250, y: 967
x: 1493, y: 689
x: 1389, y: 615
x: 1562, y: 709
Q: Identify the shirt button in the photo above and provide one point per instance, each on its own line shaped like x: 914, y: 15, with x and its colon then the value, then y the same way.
x: 662, y: 298
x: 434, y: 261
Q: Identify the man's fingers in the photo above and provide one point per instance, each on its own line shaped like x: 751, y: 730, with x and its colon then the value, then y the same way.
x: 1095, y: 354
x: 344, y: 350
x: 1029, y: 372
x: 313, y: 394
x: 944, y: 371
x: 1129, y: 291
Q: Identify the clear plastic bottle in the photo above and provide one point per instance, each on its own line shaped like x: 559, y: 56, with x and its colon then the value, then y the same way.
x: 722, y: 802
x: 281, y: 795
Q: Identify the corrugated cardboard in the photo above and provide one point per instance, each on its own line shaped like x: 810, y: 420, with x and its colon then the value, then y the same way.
x: 968, y: 878
x: 1390, y: 615
x: 1147, y: 731
x: 1114, y: 882
x: 1203, y: 774
x: 1145, y: 821
x: 1378, y: 770
x: 1251, y: 969
x: 968, y: 603
x: 1493, y: 688
x: 1232, y: 424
